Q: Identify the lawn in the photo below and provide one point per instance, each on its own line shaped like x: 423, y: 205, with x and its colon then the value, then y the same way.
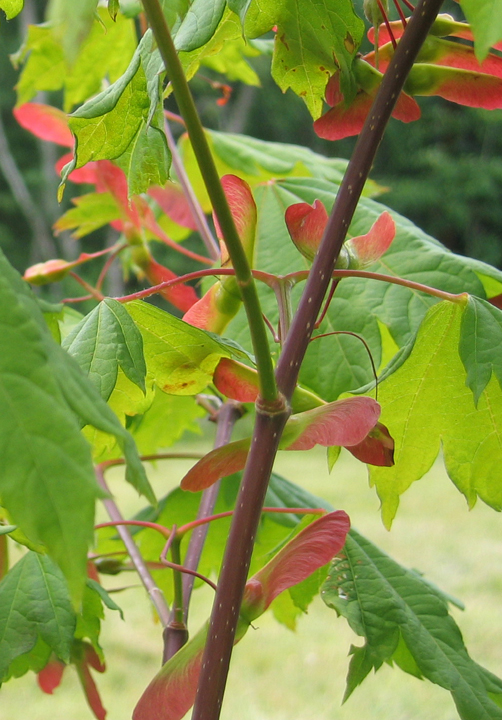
x: 280, y: 675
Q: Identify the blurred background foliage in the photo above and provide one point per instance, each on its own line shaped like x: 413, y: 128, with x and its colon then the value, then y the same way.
x: 443, y: 172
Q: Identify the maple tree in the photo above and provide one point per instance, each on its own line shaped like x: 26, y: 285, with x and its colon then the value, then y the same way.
x: 332, y: 320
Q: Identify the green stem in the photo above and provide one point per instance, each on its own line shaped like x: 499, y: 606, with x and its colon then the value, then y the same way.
x: 212, y: 182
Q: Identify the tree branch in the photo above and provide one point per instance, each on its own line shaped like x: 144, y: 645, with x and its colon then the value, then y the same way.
x: 219, y: 645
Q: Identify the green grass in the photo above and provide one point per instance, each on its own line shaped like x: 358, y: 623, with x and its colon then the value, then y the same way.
x: 280, y: 675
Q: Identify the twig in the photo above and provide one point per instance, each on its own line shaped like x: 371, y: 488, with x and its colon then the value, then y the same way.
x: 154, y: 592
x: 226, y: 418
x: 196, y: 210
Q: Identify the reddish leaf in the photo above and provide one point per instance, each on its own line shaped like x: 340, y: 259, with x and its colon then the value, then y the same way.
x: 47, y: 272
x: 236, y: 381
x: 496, y: 300
x: 368, y: 248
x: 204, y: 314
x: 91, y: 692
x: 50, y: 677
x: 343, y: 422
x: 333, y: 94
x: 243, y: 208
x: 343, y: 121
x: 110, y: 178
x: 172, y: 200
x: 437, y: 51
x: 443, y: 26
x: 45, y: 122
x: 55, y: 270
x: 312, y: 548
x: 216, y: 464
x: 306, y: 225
x: 459, y: 86
x: 92, y: 571
x: 377, y: 448
x: 406, y: 109
x: 181, y: 296
x: 91, y: 658
x: 171, y: 693
x: 85, y: 656
x: 453, y: 54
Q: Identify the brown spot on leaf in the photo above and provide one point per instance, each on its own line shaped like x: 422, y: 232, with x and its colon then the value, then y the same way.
x: 349, y: 43
x: 282, y: 38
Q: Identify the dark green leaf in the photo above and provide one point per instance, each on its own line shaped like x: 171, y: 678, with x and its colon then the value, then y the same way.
x: 282, y: 493
x: 89, y: 618
x: 387, y: 604
x: 113, y: 8
x: 47, y: 482
x: 34, y: 603
x: 199, y: 24
x: 105, y: 339
x: 124, y: 123
x: 480, y: 344
x: 105, y: 597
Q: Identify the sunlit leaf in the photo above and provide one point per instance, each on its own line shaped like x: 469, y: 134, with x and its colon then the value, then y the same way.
x: 433, y: 377
x: 106, y: 338
x: 11, y: 8
x: 180, y: 359
x: 306, y: 54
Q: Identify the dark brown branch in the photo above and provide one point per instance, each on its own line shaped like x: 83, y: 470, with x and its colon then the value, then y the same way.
x: 268, y: 428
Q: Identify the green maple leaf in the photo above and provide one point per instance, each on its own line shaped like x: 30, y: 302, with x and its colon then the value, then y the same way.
x: 426, y: 404
x: 91, y: 211
x: 314, y: 39
x: 106, y: 338
x: 48, y: 483
x: 404, y: 620
x: 485, y: 18
x: 199, y: 24
x: 34, y: 604
x: 124, y: 123
x: 181, y: 359
x: 105, y: 53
